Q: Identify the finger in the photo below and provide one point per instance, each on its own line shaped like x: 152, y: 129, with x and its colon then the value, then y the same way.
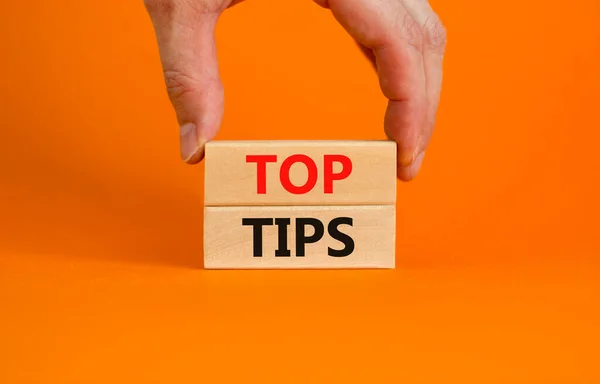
x: 186, y: 41
x: 403, y: 82
x: 434, y: 43
x: 395, y: 38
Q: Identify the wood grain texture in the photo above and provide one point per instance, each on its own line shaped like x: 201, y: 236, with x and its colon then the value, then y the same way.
x: 231, y: 180
x: 230, y: 245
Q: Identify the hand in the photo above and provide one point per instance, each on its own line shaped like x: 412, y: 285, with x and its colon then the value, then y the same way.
x: 405, y: 40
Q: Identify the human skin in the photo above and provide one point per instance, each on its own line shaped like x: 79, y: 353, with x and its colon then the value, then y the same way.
x: 404, y: 39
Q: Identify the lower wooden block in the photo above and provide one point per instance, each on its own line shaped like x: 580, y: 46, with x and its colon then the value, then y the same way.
x: 270, y: 237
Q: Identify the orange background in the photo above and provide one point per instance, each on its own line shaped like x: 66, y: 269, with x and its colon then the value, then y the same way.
x: 497, y: 277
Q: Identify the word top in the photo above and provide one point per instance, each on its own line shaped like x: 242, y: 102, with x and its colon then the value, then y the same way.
x: 246, y: 173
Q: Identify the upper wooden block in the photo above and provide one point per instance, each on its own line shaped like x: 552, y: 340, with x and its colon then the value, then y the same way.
x: 247, y: 173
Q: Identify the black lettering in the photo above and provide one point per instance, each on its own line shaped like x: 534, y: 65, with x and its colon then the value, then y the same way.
x: 282, y: 250
x: 334, y: 232
x: 257, y: 237
x: 302, y: 239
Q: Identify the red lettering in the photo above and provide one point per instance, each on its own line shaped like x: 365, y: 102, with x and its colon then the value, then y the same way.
x: 284, y: 174
x: 329, y: 176
x: 261, y: 170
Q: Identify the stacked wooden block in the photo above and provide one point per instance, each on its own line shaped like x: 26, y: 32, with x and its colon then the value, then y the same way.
x: 300, y: 204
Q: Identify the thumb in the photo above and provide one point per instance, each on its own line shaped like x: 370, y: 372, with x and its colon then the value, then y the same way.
x: 186, y: 41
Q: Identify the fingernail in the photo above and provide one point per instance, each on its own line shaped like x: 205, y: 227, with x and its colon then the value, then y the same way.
x: 189, y: 144
x: 409, y: 172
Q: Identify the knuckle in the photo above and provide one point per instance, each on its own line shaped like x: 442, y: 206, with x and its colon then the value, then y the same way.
x: 178, y: 84
x: 183, y: 86
x: 410, y: 31
x: 435, y: 35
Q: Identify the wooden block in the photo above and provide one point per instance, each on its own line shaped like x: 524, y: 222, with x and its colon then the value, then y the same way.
x: 247, y: 173
x: 351, y: 237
